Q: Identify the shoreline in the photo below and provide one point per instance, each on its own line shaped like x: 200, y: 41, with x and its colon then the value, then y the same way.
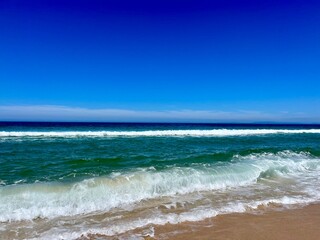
x: 288, y: 224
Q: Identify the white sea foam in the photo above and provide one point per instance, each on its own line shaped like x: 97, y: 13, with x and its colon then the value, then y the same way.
x: 45, y: 200
x: 158, y: 218
x: 158, y: 133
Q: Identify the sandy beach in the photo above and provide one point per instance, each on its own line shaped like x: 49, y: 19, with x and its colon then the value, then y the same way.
x: 292, y: 224
x: 289, y: 224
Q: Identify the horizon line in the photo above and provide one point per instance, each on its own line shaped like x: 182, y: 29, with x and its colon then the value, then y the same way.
x: 141, y: 122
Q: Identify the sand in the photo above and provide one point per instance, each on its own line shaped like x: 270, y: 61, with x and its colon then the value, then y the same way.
x: 294, y: 224
x: 301, y: 223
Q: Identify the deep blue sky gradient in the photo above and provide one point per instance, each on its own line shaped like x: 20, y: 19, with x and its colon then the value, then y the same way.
x: 223, y: 55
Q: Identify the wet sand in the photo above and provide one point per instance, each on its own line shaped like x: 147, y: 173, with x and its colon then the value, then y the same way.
x: 266, y: 224
x: 294, y: 224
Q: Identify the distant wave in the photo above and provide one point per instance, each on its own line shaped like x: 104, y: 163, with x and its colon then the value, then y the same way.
x: 158, y: 133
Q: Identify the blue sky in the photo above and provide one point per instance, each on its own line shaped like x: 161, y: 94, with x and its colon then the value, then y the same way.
x: 218, y: 60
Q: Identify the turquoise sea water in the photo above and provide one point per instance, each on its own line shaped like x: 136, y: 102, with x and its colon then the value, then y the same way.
x: 64, y: 180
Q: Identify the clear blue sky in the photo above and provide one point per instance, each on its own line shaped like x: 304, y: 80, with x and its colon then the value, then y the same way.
x: 247, y: 60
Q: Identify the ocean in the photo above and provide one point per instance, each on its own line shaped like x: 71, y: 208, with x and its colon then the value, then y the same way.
x: 101, y: 180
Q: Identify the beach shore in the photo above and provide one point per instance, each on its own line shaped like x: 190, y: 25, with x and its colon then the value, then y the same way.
x: 291, y: 224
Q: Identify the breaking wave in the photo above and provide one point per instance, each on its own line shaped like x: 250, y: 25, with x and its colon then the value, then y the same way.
x: 159, y: 133
x: 49, y: 200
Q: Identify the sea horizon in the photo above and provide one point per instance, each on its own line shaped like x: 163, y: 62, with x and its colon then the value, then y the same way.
x: 232, y: 123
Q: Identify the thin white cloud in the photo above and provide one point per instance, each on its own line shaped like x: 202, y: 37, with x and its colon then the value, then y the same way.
x: 64, y: 113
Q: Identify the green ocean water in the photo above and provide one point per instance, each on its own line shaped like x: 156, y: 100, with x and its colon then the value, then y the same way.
x: 126, y: 172
x: 31, y: 159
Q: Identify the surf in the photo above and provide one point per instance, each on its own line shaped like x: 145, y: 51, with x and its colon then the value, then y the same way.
x: 158, y: 133
x: 123, y: 189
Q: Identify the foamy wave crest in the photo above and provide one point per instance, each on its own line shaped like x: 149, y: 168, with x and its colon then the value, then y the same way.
x: 160, y: 133
x: 49, y: 200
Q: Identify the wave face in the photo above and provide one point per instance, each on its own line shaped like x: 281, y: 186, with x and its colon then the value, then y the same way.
x: 64, y: 182
x: 159, y: 133
x: 50, y: 200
